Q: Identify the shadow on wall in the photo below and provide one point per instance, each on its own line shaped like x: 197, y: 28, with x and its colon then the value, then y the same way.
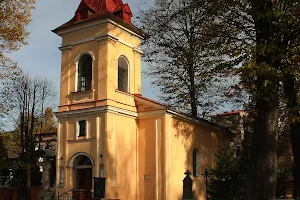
x: 121, y: 179
x: 202, y: 137
x: 110, y: 176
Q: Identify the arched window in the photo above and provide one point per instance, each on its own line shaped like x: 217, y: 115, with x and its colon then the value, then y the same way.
x: 122, y: 74
x: 84, y: 161
x: 84, y: 82
x: 196, y: 163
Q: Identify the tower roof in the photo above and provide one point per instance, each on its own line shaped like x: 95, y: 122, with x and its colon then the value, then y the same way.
x: 91, y: 9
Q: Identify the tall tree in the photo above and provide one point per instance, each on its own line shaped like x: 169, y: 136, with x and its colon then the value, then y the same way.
x: 285, y: 161
x: 48, y: 121
x: 15, y: 15
x: 259, y: 41
x: 266, y: 31
x: 26, y: 98
x: 179, y: 61
x: 3, y: 155
x: 262, y: 170
x: 291, y: 86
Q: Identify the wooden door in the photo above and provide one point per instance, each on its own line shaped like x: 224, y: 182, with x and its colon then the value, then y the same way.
x: 85, y: 181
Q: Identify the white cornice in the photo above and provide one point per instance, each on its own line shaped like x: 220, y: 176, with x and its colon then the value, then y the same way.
x: 79, y: 25
x: 150, y: 114
x: 105, y: 38
x: 65, y: 48
x: 125, y: 29
x: 140, y: 115
x: 100, y: 39
x: 138, y: 50
x: 102, y: 109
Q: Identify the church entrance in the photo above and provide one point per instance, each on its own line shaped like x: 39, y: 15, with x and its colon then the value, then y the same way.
x: 84, y: 179
x: 83, y: 176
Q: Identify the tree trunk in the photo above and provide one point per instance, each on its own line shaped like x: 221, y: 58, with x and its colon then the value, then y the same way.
x: 262, y: 167
x: 192, y: 91
x: 28, y: 180
x: 194, y: 104
x: 293, y: 108
x: 295, y: 140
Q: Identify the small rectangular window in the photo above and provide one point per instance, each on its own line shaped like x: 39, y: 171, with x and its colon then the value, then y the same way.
x: 81, y: 128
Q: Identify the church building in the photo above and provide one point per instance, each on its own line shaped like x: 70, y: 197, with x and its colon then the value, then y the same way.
x: 106, y: 128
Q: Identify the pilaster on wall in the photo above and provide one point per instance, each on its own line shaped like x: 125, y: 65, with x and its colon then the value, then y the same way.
x: 137, y: 81
x: 98, y: 132
x: 65, y: 75
x: 168, y: 158
x: 110, y: 155
x: 102, y: 69
x: 160, y: 159
x: 58, y: 152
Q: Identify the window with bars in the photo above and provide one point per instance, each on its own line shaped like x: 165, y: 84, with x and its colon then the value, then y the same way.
x: 84, y: 73
x: 81, y: 128
x: 123, y: 74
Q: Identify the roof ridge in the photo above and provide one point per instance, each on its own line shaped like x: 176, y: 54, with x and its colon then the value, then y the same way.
x: 99, y: 7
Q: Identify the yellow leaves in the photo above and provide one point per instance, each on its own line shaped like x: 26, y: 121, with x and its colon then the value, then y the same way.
x: 15, y: 15
x: 8, y: 68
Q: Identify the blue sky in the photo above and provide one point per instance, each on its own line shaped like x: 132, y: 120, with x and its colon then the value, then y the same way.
x: 41, y: 57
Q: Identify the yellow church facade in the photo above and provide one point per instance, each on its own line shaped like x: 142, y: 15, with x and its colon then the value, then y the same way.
x: 106, y: 128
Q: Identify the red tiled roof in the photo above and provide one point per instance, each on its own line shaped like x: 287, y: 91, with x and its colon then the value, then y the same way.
x: 145, y: 98
x: 46, y: 133
x: 90, y: 9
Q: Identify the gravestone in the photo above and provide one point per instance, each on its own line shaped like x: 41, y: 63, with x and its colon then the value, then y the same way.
x: 187, y: 187
x: 46, y: 175
x: 46, y: 193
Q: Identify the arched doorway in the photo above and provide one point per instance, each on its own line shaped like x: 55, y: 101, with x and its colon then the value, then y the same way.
x: 82, y: 165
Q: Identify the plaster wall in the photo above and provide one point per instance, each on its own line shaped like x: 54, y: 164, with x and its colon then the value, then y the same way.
x: 121, y: 157
x: 112, y: 135
x: 182, y: 138
x: 105, y: 43
x: 84, y: 33
x: 69, y: 145
x: 165, y: 149
x: 148, y: 130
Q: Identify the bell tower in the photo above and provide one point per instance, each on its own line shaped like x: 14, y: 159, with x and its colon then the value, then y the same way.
x: 100, y: 78
x: 101, y: 56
